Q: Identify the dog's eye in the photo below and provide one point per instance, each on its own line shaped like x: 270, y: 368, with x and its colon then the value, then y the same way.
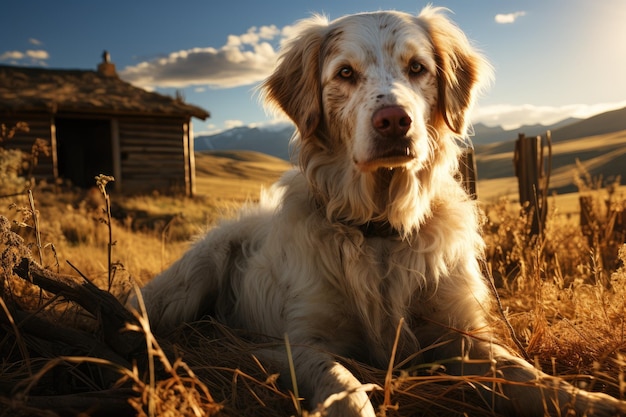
x: 416, y: 68
x: 346, y: 73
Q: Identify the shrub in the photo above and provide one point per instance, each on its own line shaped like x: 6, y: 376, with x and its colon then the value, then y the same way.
x: 11, y: 164
x: 16, y: 167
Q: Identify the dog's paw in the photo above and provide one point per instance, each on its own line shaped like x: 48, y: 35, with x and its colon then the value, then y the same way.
x: 595, y: 404
x: 352, y: 403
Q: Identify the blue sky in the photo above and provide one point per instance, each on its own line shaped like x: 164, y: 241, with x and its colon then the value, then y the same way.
x: 553, y: 58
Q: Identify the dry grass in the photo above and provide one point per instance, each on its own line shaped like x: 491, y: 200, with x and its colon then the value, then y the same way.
x: 600, y: 155
x: 236, y: 176
x: 567, y: 310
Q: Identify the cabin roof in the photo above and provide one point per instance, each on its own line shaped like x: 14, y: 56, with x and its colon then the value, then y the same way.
x: 83, y: 91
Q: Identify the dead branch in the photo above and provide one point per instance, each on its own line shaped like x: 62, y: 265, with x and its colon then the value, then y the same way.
x: 46, y: 342
x: 98, y: 403
x: 68, y: 341
x: 112, y: 315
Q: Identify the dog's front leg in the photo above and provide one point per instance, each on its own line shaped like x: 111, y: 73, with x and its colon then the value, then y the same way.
x: 329, y: 386
x: 191, y: 286
x: 525, y: 390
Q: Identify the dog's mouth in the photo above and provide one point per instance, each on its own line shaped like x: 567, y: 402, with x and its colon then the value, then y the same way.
x: 396, y: 155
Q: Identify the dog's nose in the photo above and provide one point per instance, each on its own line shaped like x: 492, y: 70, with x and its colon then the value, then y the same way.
x: 391, y: 121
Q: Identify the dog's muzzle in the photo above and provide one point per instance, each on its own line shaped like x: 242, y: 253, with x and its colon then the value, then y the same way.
x: 392, y: 147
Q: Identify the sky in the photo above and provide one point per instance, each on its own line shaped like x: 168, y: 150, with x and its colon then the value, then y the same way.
x: 553, y: 59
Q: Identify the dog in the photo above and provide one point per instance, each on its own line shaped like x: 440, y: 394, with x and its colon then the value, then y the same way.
x: 370, y: 246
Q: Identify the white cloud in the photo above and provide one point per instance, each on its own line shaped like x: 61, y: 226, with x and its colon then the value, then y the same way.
x: 245, y: 59
x: 513, y: 116
x: 269, y: 32
x: 587, y: 110
x: 230, y: 124
x: 509, y: 17
x: 11, y: 56
x: 254, y: 35
x: 208, y: 129
x: 35, y: 42
x: 273, y: 125
x: 28, y: 57
x: 38, y: 54
x: 289, y: 32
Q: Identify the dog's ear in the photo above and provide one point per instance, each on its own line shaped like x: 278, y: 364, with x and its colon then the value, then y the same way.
x: 461, y: 71
x: 294, y: 86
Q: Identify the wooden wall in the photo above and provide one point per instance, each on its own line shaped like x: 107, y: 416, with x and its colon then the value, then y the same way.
x: 149, y: 153
x: 152, y: 154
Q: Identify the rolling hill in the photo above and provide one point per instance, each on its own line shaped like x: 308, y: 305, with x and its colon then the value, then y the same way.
x: 236, y: 175
x: 612, y: 121
x: 242, y: 158
x: 275, y: 141
x: 484, y: 135
x: 599, y: 143
x: 609, y: 122
x: 601, y: 155
x: 271, y: 141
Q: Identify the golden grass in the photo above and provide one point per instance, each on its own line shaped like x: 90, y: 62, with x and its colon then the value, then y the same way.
x: 150, y: 231
x: 236, y: 176
x: 596, y: 154
x: 565, y: 305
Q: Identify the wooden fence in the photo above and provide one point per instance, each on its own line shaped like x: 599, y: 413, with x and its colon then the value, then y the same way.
x: 533, y: 166
x: 467, y: 168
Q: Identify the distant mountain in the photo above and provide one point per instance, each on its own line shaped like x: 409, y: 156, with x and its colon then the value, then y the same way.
x: 484, y: 135
x: 275, y: 140
x: 597, y: 142
x: 488, y: 140
x: 271, y: 141
x: 609, y: 122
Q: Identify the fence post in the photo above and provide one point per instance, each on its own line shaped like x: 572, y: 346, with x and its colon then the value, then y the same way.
x: 588, y: 220
x: 533, y: 168
x: 467, y: 168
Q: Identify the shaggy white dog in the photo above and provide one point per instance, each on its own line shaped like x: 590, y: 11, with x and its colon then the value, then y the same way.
x: 372, y: 230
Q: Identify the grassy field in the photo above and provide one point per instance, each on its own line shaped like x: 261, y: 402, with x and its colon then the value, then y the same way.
x: 563, y: 295
x: 236, y: 176
x: 600, y: 156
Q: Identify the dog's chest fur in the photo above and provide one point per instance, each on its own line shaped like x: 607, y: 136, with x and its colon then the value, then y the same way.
x: 357, y: 287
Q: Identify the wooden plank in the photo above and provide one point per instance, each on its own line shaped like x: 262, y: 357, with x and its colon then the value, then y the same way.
x: 149, y: 154
x: 533, y: 181
x: 152, y: 125
x: 117, y: 156
x: 153, y: 131
x: 153, y: 153
x: 153, y: 120
x: 152, y: 150
x: 150, y: 183
x: 173, y: 136
x: 150, y: 179
x: 467, y: 168
x: 134, y: 141
x: 191, y: 159
x: 154, y: 169
x: 186, y: 159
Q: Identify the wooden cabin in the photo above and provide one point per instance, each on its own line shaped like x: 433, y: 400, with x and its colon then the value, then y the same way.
x: 98, y: 124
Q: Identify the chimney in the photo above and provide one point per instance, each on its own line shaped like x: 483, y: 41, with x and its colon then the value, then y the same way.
x: 106, y: 67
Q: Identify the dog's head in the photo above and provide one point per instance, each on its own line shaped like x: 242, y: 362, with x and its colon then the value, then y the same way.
x: 374, y: 93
